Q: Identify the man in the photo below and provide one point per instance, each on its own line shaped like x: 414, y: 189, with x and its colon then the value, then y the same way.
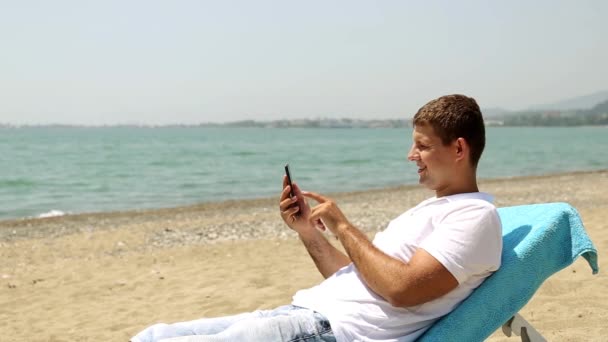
x: 420, y: 268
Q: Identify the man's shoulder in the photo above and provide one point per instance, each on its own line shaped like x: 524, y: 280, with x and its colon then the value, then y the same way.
x: 471, y: 201
x: 472, y: 209
x: 464, y: 201
x: 440, y: 207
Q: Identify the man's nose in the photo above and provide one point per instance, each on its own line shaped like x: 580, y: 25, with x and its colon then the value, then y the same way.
x: 412, y: 154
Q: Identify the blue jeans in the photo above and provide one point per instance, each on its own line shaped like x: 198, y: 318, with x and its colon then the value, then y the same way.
x: 283, y: 324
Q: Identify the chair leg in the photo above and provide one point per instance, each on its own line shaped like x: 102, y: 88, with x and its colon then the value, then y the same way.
x: 518, y: 326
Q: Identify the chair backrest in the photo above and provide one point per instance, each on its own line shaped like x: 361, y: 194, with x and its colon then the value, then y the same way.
x: 538, y: 240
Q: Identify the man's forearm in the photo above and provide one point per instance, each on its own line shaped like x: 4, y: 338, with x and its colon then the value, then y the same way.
x: 377, y: 269
x: 326, y: 257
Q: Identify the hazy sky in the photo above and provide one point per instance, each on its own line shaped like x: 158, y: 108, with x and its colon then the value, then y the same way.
x: 158, y: 62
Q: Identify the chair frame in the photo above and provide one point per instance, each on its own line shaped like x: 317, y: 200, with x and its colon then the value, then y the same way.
x: 518, y: 326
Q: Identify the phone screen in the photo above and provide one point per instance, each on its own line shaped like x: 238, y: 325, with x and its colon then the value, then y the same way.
x: 289, y: 179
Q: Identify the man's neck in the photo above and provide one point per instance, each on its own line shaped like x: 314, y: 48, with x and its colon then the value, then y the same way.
x: 466, y: 185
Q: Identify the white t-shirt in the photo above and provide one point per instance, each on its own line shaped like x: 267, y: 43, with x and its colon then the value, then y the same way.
x: 463, y: 232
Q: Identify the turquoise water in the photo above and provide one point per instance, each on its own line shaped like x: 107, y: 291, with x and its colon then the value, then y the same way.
x: 75, y: 170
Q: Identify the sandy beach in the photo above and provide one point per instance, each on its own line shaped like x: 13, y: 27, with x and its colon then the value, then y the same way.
x: 104, y: 277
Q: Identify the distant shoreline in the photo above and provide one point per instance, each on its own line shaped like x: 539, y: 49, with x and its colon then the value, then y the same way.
x: 303, y: 124
x: 292, y: 123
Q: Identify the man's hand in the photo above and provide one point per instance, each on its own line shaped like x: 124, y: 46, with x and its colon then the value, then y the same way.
x: 326, y: 213
x: 297, y: 214
x: 295, y: 211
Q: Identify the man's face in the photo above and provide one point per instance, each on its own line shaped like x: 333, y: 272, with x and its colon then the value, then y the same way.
x: 435, y: 161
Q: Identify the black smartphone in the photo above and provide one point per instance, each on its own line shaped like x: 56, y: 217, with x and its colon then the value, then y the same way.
x: 289, y: 180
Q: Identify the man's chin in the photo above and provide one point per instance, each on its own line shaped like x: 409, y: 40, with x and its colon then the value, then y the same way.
x: 426, y: 183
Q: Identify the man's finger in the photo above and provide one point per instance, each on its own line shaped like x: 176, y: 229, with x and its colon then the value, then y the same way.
x: 291, y: 211
x: 315, y: 218
x: 317, y: 197
x: 286, y: 203
x: 285, y: 193
x: 314, y: 214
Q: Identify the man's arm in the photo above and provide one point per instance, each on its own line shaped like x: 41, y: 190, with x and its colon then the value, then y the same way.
x: 296, y: 213
x: 327, y: 258
x: 418, y: 281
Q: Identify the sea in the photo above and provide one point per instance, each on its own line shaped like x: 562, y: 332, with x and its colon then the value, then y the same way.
x: 51, y: 171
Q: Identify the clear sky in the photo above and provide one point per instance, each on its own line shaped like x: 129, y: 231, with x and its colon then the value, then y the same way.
x: 159, y: 62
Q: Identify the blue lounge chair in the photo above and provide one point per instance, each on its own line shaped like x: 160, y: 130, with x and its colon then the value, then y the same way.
x: 538, y: 241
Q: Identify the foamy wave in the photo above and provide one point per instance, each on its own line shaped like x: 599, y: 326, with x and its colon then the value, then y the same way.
x: 51, y: 213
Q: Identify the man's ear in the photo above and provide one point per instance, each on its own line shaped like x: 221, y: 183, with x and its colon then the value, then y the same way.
x: 462, y: 149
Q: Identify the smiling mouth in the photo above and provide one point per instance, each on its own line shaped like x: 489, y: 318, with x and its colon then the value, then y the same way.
x: 421, y: 169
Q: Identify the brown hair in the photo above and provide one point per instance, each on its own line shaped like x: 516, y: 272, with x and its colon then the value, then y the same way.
x: 453, y: 117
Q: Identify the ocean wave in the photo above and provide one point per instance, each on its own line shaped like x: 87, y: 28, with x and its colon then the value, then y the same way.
x: 355, y: 161
x: 52, y: 213
x: 17, y: 183
x: 244, y: 153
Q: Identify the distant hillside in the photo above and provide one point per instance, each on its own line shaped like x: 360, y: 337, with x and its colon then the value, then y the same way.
x: 494, y: 112
x: 579, y: 102
x: 572, y: 104
x: 589, y: 109
x: 595, y: 116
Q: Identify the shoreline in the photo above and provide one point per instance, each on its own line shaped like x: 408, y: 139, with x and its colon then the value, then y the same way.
x: 224, y: 203
x: 26, y: 220
x: 208, y: 219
